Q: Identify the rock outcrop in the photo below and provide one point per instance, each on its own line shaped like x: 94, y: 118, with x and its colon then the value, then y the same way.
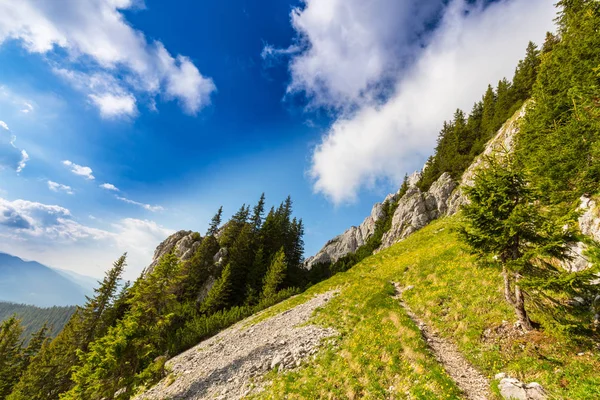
x: 182, y: 243
x: 503, y: 142
x: 348, y: 241
x: 416, y: 209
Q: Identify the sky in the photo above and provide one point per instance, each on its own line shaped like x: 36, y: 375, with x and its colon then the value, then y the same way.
x: 123, y: 121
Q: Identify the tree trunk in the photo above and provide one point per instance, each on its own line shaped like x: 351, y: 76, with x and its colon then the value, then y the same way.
x: 507, y: 291
x: 519, y: 306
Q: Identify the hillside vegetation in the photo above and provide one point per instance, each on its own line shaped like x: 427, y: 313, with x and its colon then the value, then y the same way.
x: 381, y: 351
x: 117, y: 343
x: 33, y: 318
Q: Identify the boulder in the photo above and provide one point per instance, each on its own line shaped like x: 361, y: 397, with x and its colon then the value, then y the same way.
x: 513, y: 389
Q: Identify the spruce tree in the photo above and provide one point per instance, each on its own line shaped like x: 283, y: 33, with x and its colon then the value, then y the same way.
x: 505, y: 227
x: 275, y: 275
x: 257, y: 213
x: 215, y: 223
x: 218, y: 296
x: 11, y: 354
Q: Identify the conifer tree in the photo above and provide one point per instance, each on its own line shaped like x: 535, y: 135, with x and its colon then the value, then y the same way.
x: 218, y: 296
x: 257, y: 215
x: 215, y: 223
x: 489, y: 112
x: 11, y: 354
x: 526, y: 72
x: 49, y: 373
x: 506, y: 229
x: 275, y: 275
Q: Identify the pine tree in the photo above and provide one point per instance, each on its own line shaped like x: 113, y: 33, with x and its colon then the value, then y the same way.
x: 49, y: 373
x: 218, y: 296
x: 275, y: 275
x: 506, y: 229
x: 489, y: 112
x: 11, y: 354
x: 526, y: 72
x: 215, y: 223
x: 257, y: 215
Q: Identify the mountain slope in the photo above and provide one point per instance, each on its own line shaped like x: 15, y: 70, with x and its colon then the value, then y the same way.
x: 380, y: 352
x: 32, y: 317
x: 30, y: 282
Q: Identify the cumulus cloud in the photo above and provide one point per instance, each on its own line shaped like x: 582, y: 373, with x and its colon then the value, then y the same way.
x: 33, y: 230
x: 98, y: 40
x: 471, y: 47
x: 109, y: 186
x: 10, y: 155
x: 79, y: 170
x: 347, y: 49
x: 57, y: 187
x: 148, y: 207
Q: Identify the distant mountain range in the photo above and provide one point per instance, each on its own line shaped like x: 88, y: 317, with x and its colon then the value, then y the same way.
x: 29, y: 282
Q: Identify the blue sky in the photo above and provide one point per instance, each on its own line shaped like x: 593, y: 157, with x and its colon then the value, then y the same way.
x: 123, y: 121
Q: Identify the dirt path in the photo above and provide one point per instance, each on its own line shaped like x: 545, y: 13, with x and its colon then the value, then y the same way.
x: 469, y: 380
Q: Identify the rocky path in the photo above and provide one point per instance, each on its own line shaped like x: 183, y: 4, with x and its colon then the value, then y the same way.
x: 231, y: 365
x: 469, y: 380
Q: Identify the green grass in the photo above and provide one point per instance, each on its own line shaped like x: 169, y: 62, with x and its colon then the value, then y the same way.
x: 380, y: 353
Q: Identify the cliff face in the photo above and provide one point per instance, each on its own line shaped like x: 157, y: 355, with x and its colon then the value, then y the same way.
x: 348, y: 241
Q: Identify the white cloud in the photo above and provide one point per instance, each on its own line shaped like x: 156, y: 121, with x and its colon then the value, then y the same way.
x: 79, y: 170
x: 56, y: 187
x: 95, y: 34
x: 112, y: 106
x: 28, y: 108
x: 346, y: 50
x: 49, y: 234
x: 104, y: 91
x: 10, y: 155
x: 23, y: 163
x: 144, y: 206
x: 109, y: 186
x: 377, y: 142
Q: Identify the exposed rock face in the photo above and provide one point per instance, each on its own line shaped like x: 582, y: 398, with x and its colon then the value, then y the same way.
x: 348, y: 241
x: 417, y: 209
x: 589, y: 224
x: 183, y: 243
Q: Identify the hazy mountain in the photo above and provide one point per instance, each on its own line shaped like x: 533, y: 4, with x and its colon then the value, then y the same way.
x: 30, y: 282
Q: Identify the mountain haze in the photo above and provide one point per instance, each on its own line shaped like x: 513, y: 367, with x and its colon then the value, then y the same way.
x: 29, y: 282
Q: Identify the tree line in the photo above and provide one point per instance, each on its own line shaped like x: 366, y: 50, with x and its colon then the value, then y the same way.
x: 118, y: 341
x: 522, y: 215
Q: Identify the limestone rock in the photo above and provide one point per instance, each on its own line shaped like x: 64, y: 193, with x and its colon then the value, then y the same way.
x: 503, y: 142
x: 417, y: 209
x: 589, y: 221
x: 348, y: 241
x: 183, y: 243
x: 513, y: 389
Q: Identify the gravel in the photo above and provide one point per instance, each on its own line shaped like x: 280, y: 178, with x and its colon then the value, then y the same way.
x: 232, y: 364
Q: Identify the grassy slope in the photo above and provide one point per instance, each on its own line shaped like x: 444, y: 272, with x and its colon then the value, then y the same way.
x: 381, y: 349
